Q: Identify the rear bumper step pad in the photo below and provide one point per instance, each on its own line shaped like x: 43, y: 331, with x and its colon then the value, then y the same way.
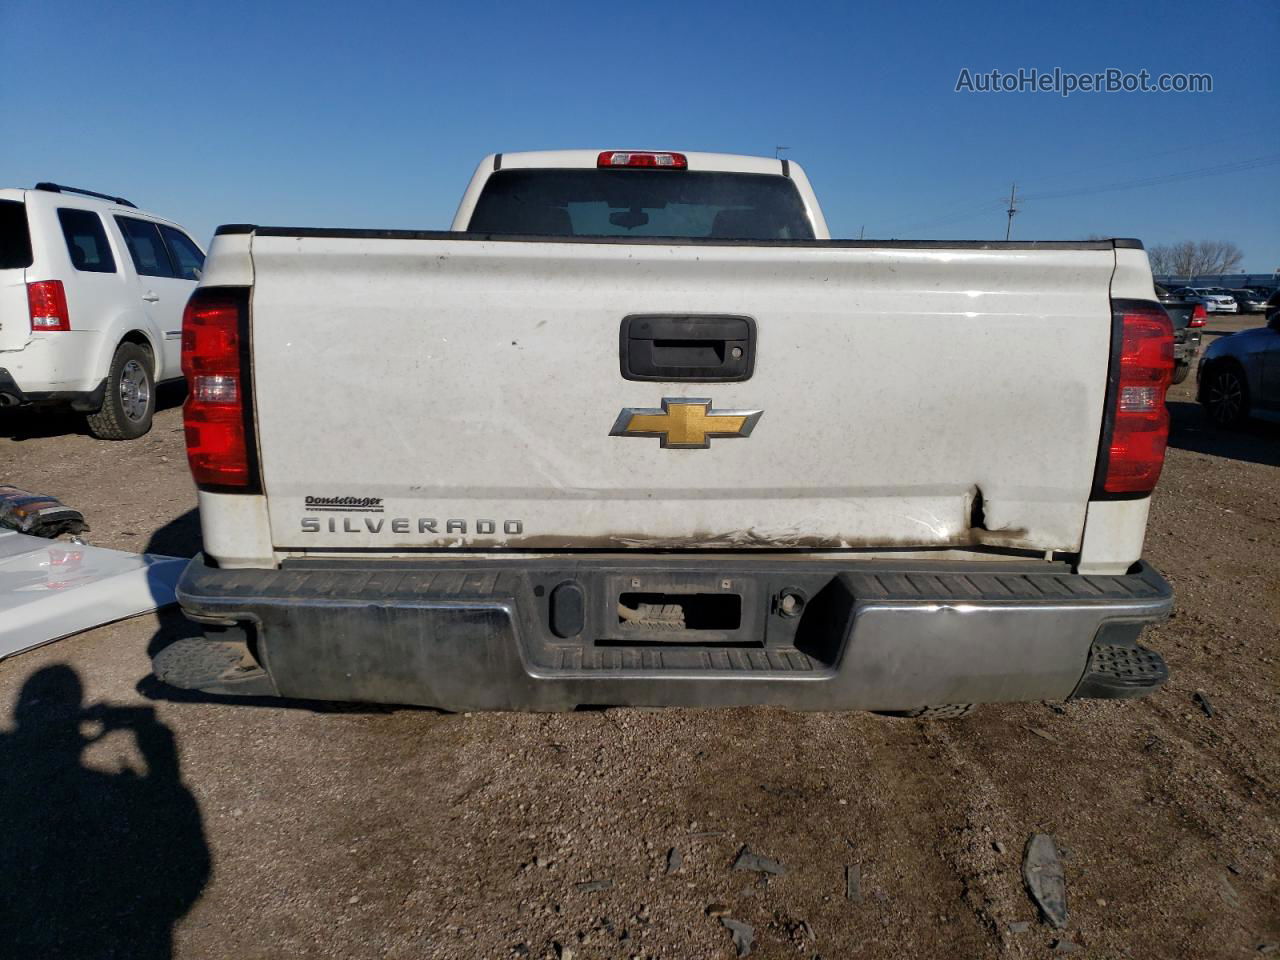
x: 491, y: 633
x: 1121, y: 670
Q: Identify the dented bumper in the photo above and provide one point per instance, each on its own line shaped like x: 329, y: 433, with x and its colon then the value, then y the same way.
x: 555, y: 633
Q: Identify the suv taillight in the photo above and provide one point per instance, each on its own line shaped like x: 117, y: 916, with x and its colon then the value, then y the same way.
x: 1198, y: 316
x: 47, y: 306
x: 1138, y: 421
x: 217, y: 415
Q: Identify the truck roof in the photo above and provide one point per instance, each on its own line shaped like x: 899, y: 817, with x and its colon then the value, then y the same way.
x: 589, y: 160
x: 586, y: 159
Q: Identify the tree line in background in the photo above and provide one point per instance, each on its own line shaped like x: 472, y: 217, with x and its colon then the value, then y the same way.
x: 1192, y: 258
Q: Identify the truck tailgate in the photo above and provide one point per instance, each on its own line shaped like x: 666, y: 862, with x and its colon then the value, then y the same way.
x: 414, y: 392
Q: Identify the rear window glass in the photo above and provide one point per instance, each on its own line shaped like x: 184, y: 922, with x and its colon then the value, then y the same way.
x: 145, y: 247
x: 15, y: 237
x: 641, y: 203
x: 86, y: 241
x: 186, y: 256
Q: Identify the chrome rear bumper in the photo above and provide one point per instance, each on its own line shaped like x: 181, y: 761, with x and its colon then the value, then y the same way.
x: 545, y: 633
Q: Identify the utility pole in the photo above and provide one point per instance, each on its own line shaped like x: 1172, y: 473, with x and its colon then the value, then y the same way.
x: 777, y: 152
x: 860, y: 231
x: 1013, y: 208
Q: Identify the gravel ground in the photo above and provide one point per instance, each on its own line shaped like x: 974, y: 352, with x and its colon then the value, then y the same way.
x: 196, y: 828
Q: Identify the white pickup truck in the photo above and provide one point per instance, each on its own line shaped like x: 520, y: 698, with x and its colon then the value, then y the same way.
x: 636, y: 431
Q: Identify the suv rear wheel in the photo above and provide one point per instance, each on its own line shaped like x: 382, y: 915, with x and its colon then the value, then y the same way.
x: 130, y: 399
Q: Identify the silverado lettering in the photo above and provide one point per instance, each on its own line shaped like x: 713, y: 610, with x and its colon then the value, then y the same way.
x: 403, y: 524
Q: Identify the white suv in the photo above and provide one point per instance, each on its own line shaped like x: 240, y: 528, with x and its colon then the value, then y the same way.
x: 92, y: 291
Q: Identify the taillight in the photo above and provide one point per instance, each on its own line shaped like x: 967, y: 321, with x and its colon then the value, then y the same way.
x: 1141, y: 372
x: 47, y: 306
x: 643, y: 158
x: 1198, y: 316
x: 217, y: 413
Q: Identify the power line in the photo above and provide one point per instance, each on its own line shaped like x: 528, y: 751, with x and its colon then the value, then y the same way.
x: 1117, y: 161
x: 1238, y: 166
x: 967, y: 213
x: 987, y: 207
x: 971, y: 212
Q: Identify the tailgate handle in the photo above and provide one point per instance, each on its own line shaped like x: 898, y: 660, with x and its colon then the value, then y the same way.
x: 694, y: 348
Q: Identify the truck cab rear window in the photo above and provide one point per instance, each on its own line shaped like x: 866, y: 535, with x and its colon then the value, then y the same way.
x: 641, y: 203
x: 15, y: 237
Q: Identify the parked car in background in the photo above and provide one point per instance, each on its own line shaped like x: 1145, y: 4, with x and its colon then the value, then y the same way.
x: 1272, y: 305
x: 1188, y: 318
x: 1239, y: 374
x: 1249, y: 301
x: 1221, y: 292
x: 1213, y: 302
x: 92, y: 291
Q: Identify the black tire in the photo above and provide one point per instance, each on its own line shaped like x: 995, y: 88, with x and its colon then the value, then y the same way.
x: 130, y: 399
x: 1180, y: 370
x: 1224, y: 394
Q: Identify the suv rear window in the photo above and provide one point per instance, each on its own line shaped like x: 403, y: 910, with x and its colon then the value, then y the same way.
x: 146, y: 248
x: 641, y: 203
x: 86, y: 240
x: 15, y: 236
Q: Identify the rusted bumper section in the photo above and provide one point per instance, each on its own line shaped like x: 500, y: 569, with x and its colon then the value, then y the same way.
x: 555, y: 633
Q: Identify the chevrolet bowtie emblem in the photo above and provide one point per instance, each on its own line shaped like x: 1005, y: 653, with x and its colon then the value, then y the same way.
x: 684, y: 423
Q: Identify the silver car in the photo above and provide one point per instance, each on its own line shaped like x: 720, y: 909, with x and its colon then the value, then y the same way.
x: 1249, y: 301
x: 1213, y: 300
x: 1239, y: 375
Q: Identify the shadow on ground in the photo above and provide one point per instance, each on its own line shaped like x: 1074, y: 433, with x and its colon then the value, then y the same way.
x: 179, y: 537
x: 31, y: 423
x: 94, y: 863
x: 1254, y: 442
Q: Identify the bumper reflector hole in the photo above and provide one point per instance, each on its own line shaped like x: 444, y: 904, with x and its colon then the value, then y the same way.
x: 568, y: 610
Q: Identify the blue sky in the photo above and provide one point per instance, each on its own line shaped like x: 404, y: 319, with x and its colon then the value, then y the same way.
x: 374, y: 114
